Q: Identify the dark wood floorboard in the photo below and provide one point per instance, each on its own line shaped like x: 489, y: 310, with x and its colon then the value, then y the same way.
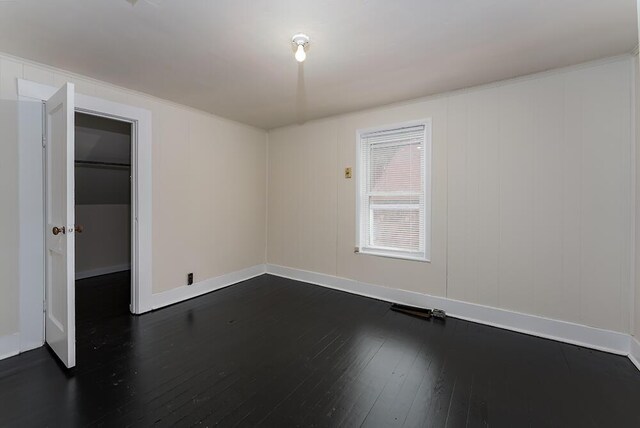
x: 279, y: 353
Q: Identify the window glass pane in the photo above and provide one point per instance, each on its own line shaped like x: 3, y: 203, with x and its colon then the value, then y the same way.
x: 396, y: 228
x: 396, y: 167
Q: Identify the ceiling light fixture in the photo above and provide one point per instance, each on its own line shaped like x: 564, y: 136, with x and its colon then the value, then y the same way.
x: 301, y: 41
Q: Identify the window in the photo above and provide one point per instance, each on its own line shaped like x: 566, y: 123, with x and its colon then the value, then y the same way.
x: 394, y: 191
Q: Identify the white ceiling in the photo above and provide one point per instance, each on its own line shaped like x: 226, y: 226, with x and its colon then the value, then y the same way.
x: 234, y: 57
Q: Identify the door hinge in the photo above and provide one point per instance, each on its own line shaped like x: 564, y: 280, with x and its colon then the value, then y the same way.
x: 44, y: 306
x: 44, y: 140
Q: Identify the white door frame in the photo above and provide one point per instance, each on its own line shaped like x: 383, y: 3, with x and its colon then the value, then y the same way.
x: 31, y: 189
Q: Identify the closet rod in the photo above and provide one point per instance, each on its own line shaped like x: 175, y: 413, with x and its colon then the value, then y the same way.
x: 95, y: 163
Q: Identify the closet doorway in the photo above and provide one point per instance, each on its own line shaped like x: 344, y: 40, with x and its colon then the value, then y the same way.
x: 103, y: 219
x: 56, y: 298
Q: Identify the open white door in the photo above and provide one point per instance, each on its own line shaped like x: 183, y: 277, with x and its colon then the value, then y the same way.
x: 60, y: 328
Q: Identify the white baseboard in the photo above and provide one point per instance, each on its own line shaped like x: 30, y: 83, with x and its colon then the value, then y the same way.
x: 563, y: 331
x: 186, y: 292
x: 9, y: 345
x: 634, y: 351
x: 102, y: 271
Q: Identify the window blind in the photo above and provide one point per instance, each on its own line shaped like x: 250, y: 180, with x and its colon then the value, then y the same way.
x: 393, y: 192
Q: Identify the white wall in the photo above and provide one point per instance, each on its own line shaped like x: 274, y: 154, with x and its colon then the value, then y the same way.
x: 96, y: 185
x: 209, y: 197
x: 636, y: 303
x: 532, y: 196
x: 104, y: 246
x: 636, y: 314
x: 540, y: 196
x: 8, y: 217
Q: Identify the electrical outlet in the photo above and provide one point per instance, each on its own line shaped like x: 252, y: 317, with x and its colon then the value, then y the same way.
x: 190, y: 278
x: 347, y: 172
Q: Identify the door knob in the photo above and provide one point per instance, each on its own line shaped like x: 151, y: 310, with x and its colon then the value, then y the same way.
x: 56, y: 230
x: 79, y: 228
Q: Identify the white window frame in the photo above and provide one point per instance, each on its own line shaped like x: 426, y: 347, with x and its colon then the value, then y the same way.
x: 361, y: 175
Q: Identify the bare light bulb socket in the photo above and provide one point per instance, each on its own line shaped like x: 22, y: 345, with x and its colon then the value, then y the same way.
x: 301, y: 41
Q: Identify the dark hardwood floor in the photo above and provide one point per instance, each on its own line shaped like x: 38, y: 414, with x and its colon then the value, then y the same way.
x: 276, y: 352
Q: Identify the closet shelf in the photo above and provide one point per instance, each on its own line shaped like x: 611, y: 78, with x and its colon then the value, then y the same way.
x: 102, y: 164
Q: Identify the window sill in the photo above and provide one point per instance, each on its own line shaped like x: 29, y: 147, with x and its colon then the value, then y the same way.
x: 368, y: 252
